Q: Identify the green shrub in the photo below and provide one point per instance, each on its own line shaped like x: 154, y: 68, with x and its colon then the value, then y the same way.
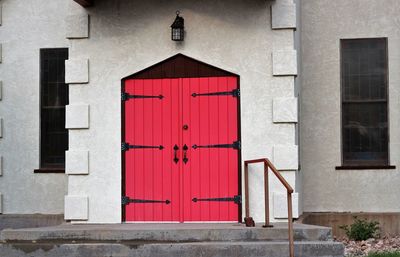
x: 361, y: 229
x: 391, y: 254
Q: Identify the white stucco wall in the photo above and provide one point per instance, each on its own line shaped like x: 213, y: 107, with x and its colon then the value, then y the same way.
x: 26, y: 27
x: 324, y: 23
x: 128, y: 36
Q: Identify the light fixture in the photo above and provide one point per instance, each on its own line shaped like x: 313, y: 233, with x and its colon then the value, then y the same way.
x: 177, y: 28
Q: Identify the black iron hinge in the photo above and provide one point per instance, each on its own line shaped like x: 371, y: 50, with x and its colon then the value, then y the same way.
x: 234, y: 145
x: 126, y: 96
x: 125, y: 146
x: 125, y: 200
x: 234, y: 93
x: 236, y: 199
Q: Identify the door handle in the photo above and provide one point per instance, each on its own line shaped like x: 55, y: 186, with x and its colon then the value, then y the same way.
x: 185, y: 148
x: 176, y: 159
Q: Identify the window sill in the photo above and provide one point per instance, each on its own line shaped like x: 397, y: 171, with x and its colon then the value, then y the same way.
x: 366, y: 167
x: 49, y: 170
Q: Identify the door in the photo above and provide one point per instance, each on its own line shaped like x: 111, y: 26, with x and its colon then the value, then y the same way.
x: 181, y: 149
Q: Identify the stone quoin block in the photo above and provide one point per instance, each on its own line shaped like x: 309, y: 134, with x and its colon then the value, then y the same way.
x: 77, y: 26
x: 77, y: 71
x: 281, y: 206
x: 76, y: 207
x: 286, y: 157
x: 284, y: 63
x: 1, y: 165
x: 284, y: 110
x: 283, y: 13
x: 1, y: 203
x: 1, y: 53
x: 1, y: 89
x: 77, y: 116
x: 76, y: 162
x: 1, y: 15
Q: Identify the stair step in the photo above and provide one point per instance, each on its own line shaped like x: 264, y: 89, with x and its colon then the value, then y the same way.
x: 198, y: 249
x: 166, y: 233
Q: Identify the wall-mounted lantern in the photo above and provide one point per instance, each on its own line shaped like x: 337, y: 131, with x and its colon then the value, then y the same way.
x: 177, y: 28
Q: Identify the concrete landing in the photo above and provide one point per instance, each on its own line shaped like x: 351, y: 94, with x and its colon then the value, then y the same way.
x: 166, y: 233
x: 163, y: 240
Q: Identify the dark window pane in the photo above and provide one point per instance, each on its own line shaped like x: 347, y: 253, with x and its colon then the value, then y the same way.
x: 364, y: 102
x: 365, y: 131
x: 54, y: 94
x: 54, y: 97
x: 364, y: 69
x: 53, y: 119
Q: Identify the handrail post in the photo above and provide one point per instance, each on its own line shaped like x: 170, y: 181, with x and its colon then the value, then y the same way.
x: 246, y: 189
x: 290, y: 224
x: 266, y: 196
x: 247, y: 220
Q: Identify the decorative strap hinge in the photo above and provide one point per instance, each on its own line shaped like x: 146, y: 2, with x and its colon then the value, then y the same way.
x: 236, y: 199
x: 125, y: 200
x: 126, y: 146
x: 235, y: 145
x: 126, y: 96
x: 234, y: 93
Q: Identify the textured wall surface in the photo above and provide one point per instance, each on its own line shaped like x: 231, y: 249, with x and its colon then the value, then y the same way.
x: 114, y: 39
x: 128, y: 36
x: 26, y: 27
x: 324, y: 23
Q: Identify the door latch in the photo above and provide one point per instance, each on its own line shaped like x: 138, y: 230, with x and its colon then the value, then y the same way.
x: 176, y: 159
x: 185, y: 159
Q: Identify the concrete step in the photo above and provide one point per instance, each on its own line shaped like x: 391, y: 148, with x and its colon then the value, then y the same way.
x: 193, y: 249
x: 165, y: 233
x: 163, y: 240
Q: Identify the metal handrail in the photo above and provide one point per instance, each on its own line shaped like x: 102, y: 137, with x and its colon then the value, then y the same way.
x: 249, y: 220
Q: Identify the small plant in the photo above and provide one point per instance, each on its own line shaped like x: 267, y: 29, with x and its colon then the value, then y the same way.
x: 361, y: 229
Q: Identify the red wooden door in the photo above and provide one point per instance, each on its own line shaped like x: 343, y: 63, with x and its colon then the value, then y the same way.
x: 210, y: 175
x: 152, y: 128
x: 181, y: 159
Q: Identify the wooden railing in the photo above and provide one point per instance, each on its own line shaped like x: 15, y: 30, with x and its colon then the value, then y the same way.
x: 249, y: 220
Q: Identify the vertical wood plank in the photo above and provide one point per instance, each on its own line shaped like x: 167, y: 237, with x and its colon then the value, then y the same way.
x: 223, y: 155
x: 233, y: 154
x: 214, y: 132
x: 167, y: 140
x: 158, y: 158
x: 148, y: 154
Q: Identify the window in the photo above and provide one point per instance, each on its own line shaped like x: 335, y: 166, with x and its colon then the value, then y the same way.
x: 364, y: 71
x: 53, y: 99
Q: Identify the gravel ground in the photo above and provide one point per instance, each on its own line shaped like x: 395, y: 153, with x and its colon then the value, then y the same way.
x: 362, y: 248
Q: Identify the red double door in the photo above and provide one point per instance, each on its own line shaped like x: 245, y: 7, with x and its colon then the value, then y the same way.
x: 181, y: 149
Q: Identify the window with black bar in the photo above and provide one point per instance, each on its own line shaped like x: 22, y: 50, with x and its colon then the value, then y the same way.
x: 53, y: 99
x: 364, y: 76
